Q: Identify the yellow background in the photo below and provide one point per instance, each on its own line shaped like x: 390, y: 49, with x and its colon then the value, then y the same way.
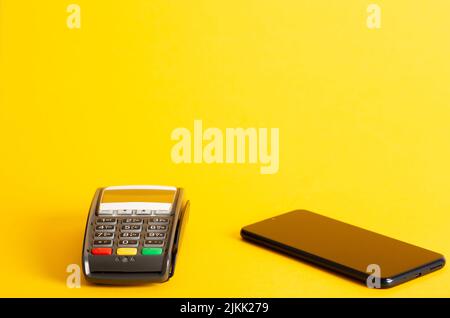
x: 363, y: 117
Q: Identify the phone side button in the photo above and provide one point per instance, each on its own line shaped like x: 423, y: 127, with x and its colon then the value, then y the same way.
x: 101, y: 251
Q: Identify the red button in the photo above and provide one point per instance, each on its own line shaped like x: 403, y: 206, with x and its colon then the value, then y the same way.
x: 101, y: 251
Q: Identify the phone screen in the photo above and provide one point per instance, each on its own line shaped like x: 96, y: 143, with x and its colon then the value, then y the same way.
x: 341, y: 243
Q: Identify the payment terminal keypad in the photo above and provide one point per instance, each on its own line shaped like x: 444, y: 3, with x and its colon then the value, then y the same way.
x: 130, y: 232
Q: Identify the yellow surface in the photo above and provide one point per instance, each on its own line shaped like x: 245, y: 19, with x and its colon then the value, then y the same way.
x: 126, y: 251
x: 364, y: 121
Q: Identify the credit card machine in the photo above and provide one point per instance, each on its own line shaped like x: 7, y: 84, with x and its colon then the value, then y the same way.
x: 133, y: 234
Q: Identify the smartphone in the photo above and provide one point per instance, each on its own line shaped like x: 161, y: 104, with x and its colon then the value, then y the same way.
x: 357, y: 253
x: 133, y: 234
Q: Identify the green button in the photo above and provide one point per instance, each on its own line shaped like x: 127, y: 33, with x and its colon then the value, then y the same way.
x: 152, y: 251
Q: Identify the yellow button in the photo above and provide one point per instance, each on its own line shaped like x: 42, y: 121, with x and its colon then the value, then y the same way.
x: 126, y: 251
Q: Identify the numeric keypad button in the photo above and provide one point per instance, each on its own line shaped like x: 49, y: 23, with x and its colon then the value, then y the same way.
x: 158, y: 220
x: 154, y: 227
x: 103, y: 243
x: 106, y: 221
x: 130, y: 235
x: 131, y: 228
x: 131, y: 221
x: 128, y: 243
x: 104, y: 235
x: 156, y: 235
x: 154, y: 243
x: 105, y: 228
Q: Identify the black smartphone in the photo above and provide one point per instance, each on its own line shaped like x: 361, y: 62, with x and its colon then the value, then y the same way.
x: 368, y: 257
